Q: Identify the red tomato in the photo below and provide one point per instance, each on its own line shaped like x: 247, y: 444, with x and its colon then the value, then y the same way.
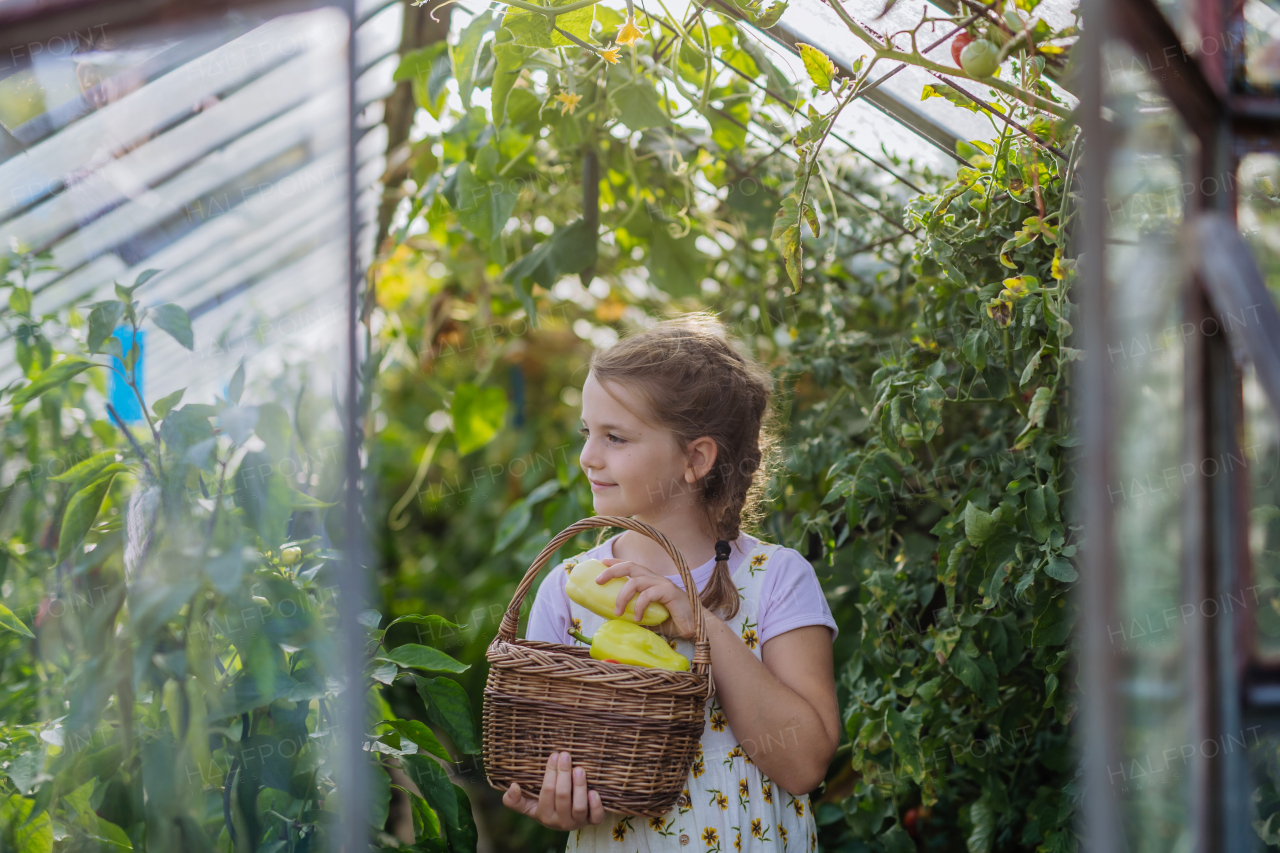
x: 958, y: 44
x: 610, y: 660
x: 911, y: 822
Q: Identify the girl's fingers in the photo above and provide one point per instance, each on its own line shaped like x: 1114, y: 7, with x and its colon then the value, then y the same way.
x: 579, y: 795
x: 515, y: 800
x: 624, y: 595
x: 547, y: 796
x: 596, y: 809
x: 642, y: 601
x: 564, y: 788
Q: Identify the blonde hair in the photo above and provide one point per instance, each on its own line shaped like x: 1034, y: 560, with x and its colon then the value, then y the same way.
x: 694, y: 382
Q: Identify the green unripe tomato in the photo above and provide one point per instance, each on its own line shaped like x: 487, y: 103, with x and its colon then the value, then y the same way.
x: 979, y: 58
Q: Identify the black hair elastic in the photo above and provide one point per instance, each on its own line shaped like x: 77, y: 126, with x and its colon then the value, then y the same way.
x: 722, y: 550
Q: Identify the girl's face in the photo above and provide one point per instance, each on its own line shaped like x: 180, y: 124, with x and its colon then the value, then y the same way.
x: 634, y: 467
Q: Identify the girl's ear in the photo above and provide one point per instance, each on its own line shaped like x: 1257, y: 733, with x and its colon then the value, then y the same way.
x: 701, y: 456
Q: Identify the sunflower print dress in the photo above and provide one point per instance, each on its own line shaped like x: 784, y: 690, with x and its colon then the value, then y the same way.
x: 727, y: 804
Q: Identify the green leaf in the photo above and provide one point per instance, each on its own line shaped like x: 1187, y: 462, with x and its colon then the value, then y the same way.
x: 675, y: 264
x: 509, y: 61
x: 20, y: 833
x: 433, y: 782
x: 942, y: 90
x: 426, y: 823
x: 1053, y: 621
x: 431, y: 620
x: 982, y: 819
x: 87, y: 469
x: 478, y: 414
x: 483, y: 207
x: 977, y: 672
x: 786, y: 236
x: 822, y: 71
x: 20, y: 301
x: 1037, y: 518
x: 53, y: 377
x: 236, y: 386
x: 165, y: 405
x: 570, y: 249
x: 533, y: 29
x: 1027, y: 371
x: 1059, y: 568
x: 418, y: 733
x: 974, y: 348
x: 82, y: 510
x: 450, y: 709
x: 637, y: 105
x: 979, y: 525
x: 427, y: 69
x: 10, y: 622
x: 904, y: 735
x: 928, y: 408
x: 426, y: 658
x: 466, y: 53
x: 103, y: 320
x: 174, y: 320
x: 513, y: 523
x: 1039, y: 406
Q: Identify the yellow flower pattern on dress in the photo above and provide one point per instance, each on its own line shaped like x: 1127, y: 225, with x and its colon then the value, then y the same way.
x: 798, y: 805
x: 661, y: 827
x: 718, y: 721
x: 568, y: 568
x: 705, y: 817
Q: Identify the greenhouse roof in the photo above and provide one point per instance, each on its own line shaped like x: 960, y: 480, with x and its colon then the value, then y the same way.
x: 218, y: 158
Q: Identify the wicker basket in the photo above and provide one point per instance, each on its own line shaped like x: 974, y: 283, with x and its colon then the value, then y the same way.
x: 635, y: 730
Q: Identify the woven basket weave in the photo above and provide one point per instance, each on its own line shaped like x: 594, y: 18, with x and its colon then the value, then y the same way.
x: 635, y: 730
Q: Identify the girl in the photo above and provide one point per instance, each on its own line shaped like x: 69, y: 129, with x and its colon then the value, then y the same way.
x: 677, y: 436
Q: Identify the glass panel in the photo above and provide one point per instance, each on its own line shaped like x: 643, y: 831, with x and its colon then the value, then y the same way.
x: 1255, y: 49
x: 1145, y: 201
x: 169, y: 533
x: 1258, y: 213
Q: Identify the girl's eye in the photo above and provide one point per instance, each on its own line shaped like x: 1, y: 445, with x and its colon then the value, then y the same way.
x: 584, y: 432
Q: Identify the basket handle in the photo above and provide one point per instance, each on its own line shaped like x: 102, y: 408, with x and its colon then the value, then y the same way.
x: 510, y: 619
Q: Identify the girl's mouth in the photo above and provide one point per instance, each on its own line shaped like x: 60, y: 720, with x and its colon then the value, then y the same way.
x: 597, y: 486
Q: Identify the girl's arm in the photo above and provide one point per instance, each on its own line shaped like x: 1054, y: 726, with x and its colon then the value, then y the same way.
x: 782, y: 711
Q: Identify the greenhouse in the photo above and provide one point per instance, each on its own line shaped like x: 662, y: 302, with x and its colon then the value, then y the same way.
x: 541, y: 425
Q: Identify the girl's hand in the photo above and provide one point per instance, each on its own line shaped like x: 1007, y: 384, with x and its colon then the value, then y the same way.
x: 647, y: 586
x: 564, y: 802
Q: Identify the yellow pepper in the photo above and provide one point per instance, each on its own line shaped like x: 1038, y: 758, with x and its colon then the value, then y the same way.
x: 601, y: 598
x: 623, y: 641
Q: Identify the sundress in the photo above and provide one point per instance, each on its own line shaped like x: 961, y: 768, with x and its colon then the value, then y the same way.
x: 727, y: 804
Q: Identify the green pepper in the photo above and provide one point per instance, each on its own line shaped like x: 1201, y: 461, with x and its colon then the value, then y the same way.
x: 623, y: 641
x: 602, y: 598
